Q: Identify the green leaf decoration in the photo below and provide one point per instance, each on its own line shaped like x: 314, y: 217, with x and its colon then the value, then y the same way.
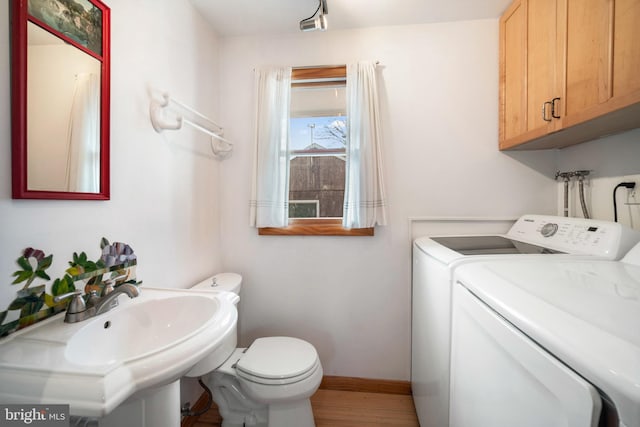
x: 21, y: 276
x: 62, y: 286
x: 41, y: 274
x: 75, y: 270
x: 34, y: 303
x: 70, y: 286
x: 81, y: 264
x: 45, y: 263
x: 27, y: 273
x: 24, y: 264
x: 48, y: 299
x: 18, y: 303
x: 55, y: 287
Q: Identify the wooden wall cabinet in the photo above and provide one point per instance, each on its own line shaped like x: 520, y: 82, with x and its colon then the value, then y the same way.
x: 569, y: 71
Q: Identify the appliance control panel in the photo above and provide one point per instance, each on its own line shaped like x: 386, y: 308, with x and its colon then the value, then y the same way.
x: 606, y: 239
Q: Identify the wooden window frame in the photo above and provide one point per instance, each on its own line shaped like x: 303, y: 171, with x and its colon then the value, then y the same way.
x: 316, y: 226
x: 317, y: 73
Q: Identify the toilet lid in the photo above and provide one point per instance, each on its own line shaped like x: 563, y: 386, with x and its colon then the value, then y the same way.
x: 278, y: 358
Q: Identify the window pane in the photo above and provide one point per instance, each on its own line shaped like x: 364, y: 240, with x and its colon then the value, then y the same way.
x: 318, y: 178
x: 318, y: 133
x: 303, y: 208
x: 319, y: 101
x: 317, y: 144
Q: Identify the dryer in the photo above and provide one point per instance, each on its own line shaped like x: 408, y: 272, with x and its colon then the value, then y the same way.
x: 546, y: 342
x: 435, y: 260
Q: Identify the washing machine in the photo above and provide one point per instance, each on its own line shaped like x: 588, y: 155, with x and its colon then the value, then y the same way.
x: 435, y: 260
x: 546, y: 342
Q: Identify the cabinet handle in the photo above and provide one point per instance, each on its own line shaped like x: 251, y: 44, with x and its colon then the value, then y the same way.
x: 544, y: 111
x: 553, y: 108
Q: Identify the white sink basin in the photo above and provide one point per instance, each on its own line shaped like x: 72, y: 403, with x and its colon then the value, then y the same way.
x: 139, y: 330
x: 95, y: 365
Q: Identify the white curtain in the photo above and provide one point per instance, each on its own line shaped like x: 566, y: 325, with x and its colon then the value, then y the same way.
x: 270, y: 191
x: 364, y: 200
x: 83, y: 158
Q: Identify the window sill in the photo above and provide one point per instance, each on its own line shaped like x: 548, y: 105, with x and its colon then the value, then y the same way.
x: 315, y: 227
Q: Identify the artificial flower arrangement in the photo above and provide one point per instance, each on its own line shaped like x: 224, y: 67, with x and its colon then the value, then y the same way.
x: 32, y: 304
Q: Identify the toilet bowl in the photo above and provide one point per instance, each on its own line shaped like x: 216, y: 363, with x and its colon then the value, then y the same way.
x: 267, y: 384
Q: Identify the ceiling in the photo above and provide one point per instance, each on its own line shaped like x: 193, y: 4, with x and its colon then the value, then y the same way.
x: 251, y: 17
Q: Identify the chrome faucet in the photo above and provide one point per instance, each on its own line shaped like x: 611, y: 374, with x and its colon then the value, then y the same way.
x: 110, y: 300
x: 78, y: 310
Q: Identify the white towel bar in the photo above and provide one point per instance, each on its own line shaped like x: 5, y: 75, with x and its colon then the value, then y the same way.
x: 159, y: 123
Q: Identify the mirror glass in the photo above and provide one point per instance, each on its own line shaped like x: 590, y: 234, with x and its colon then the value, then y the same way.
x: 63, y: 119
x: 60, y: 99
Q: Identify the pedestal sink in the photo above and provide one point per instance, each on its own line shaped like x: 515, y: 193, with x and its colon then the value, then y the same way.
x: 135, y: 352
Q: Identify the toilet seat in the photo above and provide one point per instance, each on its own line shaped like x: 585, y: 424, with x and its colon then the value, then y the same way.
x: 277, y: 360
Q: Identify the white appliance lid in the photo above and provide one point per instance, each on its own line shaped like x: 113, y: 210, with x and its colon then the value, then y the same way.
x: 586, y: 313
x: 278, y: 357
x: 537, y: 234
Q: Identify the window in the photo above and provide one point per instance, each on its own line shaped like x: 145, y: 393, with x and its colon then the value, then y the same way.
x: 317, y: 153
x: 317, y: 144
x: 335, y: 160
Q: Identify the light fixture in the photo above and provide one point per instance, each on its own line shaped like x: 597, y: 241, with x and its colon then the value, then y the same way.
x: 317, y: 21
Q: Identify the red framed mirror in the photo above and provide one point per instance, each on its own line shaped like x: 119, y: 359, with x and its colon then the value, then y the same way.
x: 60, y: 106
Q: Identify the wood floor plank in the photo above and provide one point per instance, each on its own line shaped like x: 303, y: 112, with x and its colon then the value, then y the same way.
x: 342, y: 409
x: 337, y: 408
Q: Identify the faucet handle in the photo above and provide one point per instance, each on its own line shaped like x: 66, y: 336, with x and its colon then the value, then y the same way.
x: 76, y: 305
x: 93, y: 298
x: 59, y: 298
x: 109, y: 284
x: 108, y: 287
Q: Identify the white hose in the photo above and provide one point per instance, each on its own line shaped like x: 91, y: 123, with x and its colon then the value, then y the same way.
x: 585, y: 213
x: 566, y: 196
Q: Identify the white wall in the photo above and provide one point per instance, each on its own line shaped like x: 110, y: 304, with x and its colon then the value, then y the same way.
x: 164, y: 188
x: 350, y: 296
x: 611, y: 160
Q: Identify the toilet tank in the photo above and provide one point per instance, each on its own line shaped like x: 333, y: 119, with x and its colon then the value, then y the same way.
x: 230, y: 282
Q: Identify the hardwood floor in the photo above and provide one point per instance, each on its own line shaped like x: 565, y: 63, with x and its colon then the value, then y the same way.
x: 338, y: 408
x: 333, y: 408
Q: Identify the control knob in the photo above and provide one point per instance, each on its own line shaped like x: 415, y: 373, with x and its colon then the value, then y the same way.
x: 549, y: 229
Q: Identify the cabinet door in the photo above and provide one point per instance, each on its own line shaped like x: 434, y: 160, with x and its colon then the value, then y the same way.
x: 626, y: 58
x: 544, y: 61
x: 589, y: 56
x: 513, y: 62
x: 530, y: 69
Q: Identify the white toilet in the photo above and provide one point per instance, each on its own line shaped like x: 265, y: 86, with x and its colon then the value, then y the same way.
x: 267, y: 384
